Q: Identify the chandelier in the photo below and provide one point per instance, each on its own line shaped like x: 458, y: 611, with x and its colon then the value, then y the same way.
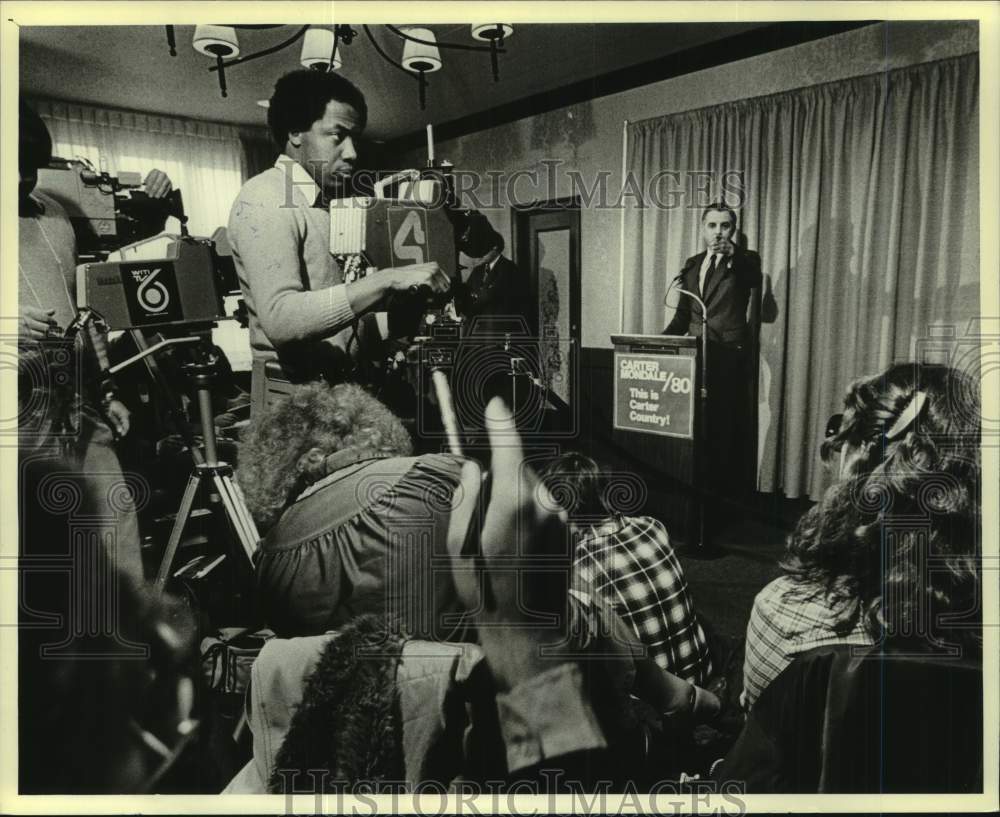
x: 421, y: 52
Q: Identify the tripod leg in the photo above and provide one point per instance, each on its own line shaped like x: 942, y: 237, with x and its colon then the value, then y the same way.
x: 241, y: 506
x: 238, y: 515
x: 183, y: 514
x: 241, y: 516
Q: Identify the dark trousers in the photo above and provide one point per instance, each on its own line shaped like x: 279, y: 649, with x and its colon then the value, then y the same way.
x: 729, y: 444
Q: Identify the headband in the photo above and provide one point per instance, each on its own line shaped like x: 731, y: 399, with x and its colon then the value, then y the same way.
x: 909, y: 414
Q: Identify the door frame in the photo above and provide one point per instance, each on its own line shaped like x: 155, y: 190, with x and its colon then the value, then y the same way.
x: 521, y: 251
x: 520, y: 231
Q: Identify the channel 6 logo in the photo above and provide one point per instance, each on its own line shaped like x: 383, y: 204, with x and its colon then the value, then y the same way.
x: 151, y: 293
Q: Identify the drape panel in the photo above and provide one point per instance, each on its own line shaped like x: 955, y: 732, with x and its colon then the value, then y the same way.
x: 861, y: 197
x: 203, y: 159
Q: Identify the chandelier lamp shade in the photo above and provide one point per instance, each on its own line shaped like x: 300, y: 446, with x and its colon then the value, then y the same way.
x: 321, y: 48
x: 494, y: 34
x: 219, y: 42
x: 421, y: 56
x: 421, y: 52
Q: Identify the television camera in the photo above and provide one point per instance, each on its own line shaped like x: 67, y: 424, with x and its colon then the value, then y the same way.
x: 107, y: 212
x: 172, y: 287
x: 415, y: 216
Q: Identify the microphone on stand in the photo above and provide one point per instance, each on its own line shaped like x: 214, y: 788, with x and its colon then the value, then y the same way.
x: 704, y: 335
x: 673, y: 282
x: 701, y: 303
x: 703, y: 394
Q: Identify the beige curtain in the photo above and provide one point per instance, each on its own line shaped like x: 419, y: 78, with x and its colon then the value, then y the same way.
x: 206, y: 160
x: 202, y: 159
x: 861, y: 197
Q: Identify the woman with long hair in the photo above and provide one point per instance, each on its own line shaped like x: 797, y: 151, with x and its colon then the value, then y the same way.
x: 864, y: 660
x: 893, y: 546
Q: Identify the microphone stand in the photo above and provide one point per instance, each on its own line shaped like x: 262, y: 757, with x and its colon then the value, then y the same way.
x: 703, y: 429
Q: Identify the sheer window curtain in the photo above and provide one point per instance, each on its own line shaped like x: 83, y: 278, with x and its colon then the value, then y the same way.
x: 861, y: 197
x: 203, y: 159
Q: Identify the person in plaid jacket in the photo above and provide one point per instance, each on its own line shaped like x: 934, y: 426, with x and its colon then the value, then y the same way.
x: 628, y: 563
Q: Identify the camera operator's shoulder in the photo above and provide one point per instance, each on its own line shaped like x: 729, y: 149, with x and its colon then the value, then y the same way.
x: 263, y: 188
x: 50, y: 205
x: 258, y: 208
x: 55, y: 216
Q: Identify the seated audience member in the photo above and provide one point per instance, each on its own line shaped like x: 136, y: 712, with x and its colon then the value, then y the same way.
x: 881, y: 592
x: 527, y: 698
x: 556, y: 707
x: 628, y: 562
x: 351, y: 523
x: 896, y: 432
x: 105, y: 691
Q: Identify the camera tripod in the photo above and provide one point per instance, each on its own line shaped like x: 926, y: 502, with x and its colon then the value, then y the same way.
x: 207, y: 465
x: 220, y: 473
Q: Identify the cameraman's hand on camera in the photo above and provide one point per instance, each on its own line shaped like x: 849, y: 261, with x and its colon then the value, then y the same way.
x: 521, y: 574
x: 366, y: 293
x: 428, y: 275
x: 36, y: 323
x: 118, y: 417
x: 158, y: 184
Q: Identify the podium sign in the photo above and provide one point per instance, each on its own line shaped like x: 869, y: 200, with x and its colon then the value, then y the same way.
x: 654, y: 393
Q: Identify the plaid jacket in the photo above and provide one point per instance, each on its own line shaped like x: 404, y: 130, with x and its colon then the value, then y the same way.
x: 630, y: 565
x: 788, y: 618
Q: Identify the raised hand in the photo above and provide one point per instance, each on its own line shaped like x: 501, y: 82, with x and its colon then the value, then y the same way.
x: 516, y: 585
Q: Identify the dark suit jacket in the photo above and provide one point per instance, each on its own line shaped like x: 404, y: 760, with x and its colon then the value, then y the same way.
x: 727, y: 298
x: 494, y: 300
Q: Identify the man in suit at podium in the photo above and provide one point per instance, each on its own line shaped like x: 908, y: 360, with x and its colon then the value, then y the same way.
x: 722, y: 276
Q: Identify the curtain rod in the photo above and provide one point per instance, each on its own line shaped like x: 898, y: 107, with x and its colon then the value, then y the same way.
x: 135, y: 111
x: 807, y: 87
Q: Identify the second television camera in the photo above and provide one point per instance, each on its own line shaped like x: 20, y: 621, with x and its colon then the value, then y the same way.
x: 107, y: 212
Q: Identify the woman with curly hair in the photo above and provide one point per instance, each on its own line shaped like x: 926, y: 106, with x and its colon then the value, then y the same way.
x: 856, y: 565
x: 351, y: 522
x: 864, y: 661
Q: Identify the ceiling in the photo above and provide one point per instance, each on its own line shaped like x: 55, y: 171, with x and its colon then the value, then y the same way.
x: 130, y: 67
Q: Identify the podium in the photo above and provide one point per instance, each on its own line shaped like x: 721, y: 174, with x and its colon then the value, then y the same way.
x: 658, y: 418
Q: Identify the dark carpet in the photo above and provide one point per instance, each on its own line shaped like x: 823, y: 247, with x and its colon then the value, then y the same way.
x: 748, y: 544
